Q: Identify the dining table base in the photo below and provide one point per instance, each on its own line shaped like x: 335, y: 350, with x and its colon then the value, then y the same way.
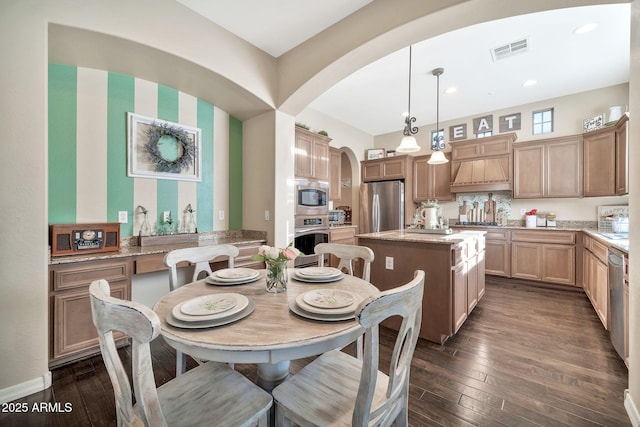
x: 270, y: 375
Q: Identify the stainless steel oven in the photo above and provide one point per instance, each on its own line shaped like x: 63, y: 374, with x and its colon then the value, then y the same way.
x: 312, y: 197
x: 309, y: 231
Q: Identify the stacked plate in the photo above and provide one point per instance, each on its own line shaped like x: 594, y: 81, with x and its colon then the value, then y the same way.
x: 326, y: 305
x: 317, y: 274
x: 210, y: 310
x: 233, y: 276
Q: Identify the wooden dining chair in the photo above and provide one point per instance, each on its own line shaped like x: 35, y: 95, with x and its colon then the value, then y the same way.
x: 199, y: 256
x: 339, y: 389
x: 210, y: 394
x: 347, y: 254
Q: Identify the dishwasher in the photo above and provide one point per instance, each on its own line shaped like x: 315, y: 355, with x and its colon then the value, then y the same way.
x: 616, y: 300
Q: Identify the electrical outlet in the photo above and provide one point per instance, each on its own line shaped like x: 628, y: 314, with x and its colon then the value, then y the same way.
x: 166, y: 216
x: 220, y: 215
x: 522, y: 211
x: 388, y: 263
x: 266, y: 215
x: 123, y: 217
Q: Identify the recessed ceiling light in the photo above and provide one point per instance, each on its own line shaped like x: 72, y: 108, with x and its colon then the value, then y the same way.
x: 585, y: 28
x: 529, y: 82
x: 451, y: 90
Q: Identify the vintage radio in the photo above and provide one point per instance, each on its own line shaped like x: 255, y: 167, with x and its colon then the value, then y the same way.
x: 76, y: 239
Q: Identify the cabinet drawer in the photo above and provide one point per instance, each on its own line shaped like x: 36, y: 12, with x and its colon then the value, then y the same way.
x: 599, y: 250
x: 493, y: 234
x: 75, y: 275
x: 556, y: 237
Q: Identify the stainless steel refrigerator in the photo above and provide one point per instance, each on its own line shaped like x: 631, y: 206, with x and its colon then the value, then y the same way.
x: 381, y: 206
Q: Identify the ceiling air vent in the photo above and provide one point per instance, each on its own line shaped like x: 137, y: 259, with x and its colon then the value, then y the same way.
x: 510, y: 49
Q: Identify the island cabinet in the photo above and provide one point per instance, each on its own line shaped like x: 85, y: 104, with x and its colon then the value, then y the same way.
x: 606, y: 160
x: 311, y: 155
x: 548, y: 168
x: 71, y: 332
x: 595, y: 276
x: 545, y: 256
x: 431, y: 181
x: 454, y: 268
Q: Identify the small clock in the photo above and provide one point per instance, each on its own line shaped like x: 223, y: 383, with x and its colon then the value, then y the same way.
x: 89, y: 234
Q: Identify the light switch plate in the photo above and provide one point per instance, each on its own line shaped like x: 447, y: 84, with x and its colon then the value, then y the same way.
x: 123, y: 217
x: 220, y: 215
x: 388, y: 262
x: 166, y: 215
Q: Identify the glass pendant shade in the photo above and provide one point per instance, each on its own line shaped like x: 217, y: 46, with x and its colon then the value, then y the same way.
x: 408, y: 144
x: 437, y: 158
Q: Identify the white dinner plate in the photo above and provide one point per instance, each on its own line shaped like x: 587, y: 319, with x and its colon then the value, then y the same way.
x: 241, y: 302
x: 350, y: 309
x: 328, y: 298
x: 319, y: 272
x: 234, y: 275
x: 309, y: 279
x: 210, y: 304
x: 293, y: 306
x: 171, y: 320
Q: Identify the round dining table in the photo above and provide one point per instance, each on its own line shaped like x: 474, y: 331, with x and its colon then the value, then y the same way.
x: 271, y: 335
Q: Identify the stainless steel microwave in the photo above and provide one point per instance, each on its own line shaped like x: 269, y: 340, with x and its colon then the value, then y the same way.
x: 312, y: 197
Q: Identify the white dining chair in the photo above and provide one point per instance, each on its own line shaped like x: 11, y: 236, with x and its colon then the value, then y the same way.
x: 339, y: 389
x: 210, y: 394
x: 347, y: 254
x: 200, y: 256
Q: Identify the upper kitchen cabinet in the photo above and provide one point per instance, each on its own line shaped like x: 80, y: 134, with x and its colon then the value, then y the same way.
x: 387, y: 169
x: 548, y: 168
x: 431, y: 181
x: 312, y: 155
x: 606, y: 156
x: 335, y: 176
x: 484, y: 164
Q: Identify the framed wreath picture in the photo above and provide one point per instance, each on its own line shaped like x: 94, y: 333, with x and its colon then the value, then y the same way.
x: 162, y: 150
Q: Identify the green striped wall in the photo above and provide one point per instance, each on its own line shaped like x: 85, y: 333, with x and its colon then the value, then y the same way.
x: 87, y: 153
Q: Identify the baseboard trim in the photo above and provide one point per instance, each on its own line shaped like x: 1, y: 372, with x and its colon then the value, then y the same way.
x: 26, y: 388
x: 632, y: 410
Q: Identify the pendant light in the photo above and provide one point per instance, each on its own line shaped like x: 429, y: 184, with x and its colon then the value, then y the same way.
x: 437, y: 142
x: 408, y: 144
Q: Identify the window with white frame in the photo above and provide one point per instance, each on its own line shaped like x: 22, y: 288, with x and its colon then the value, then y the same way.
x: 543, y: 121
x: 484, y: 134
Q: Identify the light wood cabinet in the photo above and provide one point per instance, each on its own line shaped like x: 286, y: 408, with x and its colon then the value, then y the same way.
x: 596, y: 277
x: 72, y: 335
x: 548, y: 168
x: 387, y: 169
x: 622, y: 156
x: 431, y: 181
x: 547, y: 256
x: 606, y: 160
x: 335, y: 173
x: 311, y: 155
x: 345, y: 236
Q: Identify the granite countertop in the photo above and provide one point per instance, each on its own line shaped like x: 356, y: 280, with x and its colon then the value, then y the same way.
x: 129, y: 249
x: 440, y: 239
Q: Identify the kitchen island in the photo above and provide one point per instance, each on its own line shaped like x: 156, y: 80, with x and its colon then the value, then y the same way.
x: 454, y: 274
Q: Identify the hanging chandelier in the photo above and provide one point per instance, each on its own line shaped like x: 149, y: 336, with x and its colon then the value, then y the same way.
x: 437, y: 141
x: 408, y: 144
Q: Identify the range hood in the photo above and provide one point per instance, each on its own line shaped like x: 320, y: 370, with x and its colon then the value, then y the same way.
x: 481, y: 165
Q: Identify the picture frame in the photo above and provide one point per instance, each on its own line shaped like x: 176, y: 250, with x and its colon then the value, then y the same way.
x: 375, y: 153
x: 391, y: 153
x: 161, y: 149
x: 593, y: 123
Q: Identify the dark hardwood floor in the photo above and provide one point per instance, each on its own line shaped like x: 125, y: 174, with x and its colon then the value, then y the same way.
x: 527, y: 356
